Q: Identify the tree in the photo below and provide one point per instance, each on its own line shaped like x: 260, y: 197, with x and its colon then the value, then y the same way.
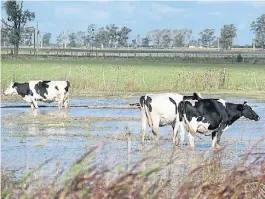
x: 258, y: 28
x: 187, y: 36
x: 112, y: 34
x: 102, y: 38
x: 207, y: 36
x: 138, y: 41
x: 156, y: 36
x: 228, y: 33
x: 145, y: 42
x: 122, y: 36
x: 80, y: 38
x: 90, y: 34
x: 134, y: 43
x: 16, y: 20
x: 4, y: 37
x: 60, y: 40
x: 193, y: 42
x: 179, y: 38
x: 166, y: 40
x: 72, y: 38
x: 26, y: 36
x: 215, y: 42
x: 46, y: 39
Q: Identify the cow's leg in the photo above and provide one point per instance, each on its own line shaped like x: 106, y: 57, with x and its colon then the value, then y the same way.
x: 191, y: 141
x: 219, y: 138
x: 144, y: 123
x: 32, y: 106
x: 60, y: 101
x: 216, y: 136
x: 66, y: 101
x: 214, y: 139
x: 155, y: 129
x: 35, y: 104
x: 175, y: 127
x: 181, y: 133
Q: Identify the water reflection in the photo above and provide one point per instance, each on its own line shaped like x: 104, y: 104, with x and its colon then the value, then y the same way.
x: 56, y: 113
x: 36, y: 129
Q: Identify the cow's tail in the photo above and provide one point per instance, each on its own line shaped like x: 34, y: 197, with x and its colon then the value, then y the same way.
x: 181, y: 110
x: 148, y: 108
x: 145, y: 106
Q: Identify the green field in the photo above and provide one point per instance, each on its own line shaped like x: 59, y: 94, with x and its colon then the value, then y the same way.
x: 89, y: 77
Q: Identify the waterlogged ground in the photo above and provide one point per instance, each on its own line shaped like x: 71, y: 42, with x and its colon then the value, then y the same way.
x: 28, y: 140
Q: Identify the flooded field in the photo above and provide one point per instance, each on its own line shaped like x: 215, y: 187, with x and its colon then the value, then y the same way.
x: 29, y: 140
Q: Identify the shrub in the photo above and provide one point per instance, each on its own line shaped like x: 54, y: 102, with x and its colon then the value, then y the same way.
x: 239, y: 58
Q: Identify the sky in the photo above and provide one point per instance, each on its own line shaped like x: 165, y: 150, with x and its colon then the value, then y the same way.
x: 142, y: 17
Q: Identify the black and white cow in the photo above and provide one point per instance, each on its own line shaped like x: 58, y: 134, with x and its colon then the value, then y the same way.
x: 46, y: 91
x: 211, y: 116
x: 159, y: 110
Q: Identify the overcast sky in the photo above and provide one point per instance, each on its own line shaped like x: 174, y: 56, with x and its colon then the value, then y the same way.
x: 142, y: 17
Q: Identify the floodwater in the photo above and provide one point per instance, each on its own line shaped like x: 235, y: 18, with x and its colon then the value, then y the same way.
x: 29, y: 140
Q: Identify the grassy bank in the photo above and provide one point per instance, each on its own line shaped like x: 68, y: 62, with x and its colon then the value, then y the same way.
x: 92, y: 77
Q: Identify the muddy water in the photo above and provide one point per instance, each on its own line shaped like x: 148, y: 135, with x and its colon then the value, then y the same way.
x: 28, y: 140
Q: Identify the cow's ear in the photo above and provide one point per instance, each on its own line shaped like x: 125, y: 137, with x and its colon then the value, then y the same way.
x: 197, y: 96
x: 240, y: 107
x: 15, y: 85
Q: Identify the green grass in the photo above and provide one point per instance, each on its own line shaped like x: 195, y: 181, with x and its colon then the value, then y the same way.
x: 110, y: 76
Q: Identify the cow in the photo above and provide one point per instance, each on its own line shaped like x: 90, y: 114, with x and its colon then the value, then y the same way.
x: 159, y: 110
x: 211, y: 117
x: 40, y: 90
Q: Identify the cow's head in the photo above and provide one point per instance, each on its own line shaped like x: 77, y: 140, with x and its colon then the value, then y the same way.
x: 11, y: 89
x: 248, y: 112
x: 195, y: 96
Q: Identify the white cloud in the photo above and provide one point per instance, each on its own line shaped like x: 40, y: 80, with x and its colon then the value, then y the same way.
x: 66, y: 11
x: 241, y: 26
x: 127, y: 7
x: 214, y: 13
x: 256, y: 4
x: 158, y: 11
x: 153, y: 16
x: 164, y: 9
x: 81, y: 12
x: 208, y: 2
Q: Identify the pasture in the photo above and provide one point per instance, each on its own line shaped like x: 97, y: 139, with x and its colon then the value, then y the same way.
x: 109, y: 77
x: 61, y: 138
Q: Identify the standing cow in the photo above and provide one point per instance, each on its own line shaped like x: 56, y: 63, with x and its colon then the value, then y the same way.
x: 46, y: 91
x: 159, y: 110
x: 211, y: 116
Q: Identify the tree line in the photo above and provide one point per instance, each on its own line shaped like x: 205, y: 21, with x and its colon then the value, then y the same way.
x: 14, y: 31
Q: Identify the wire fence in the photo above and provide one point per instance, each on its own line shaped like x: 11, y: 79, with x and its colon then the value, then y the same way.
x: 190, y: 56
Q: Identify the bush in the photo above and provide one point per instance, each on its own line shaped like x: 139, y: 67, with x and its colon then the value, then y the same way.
x: 239, y: 58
